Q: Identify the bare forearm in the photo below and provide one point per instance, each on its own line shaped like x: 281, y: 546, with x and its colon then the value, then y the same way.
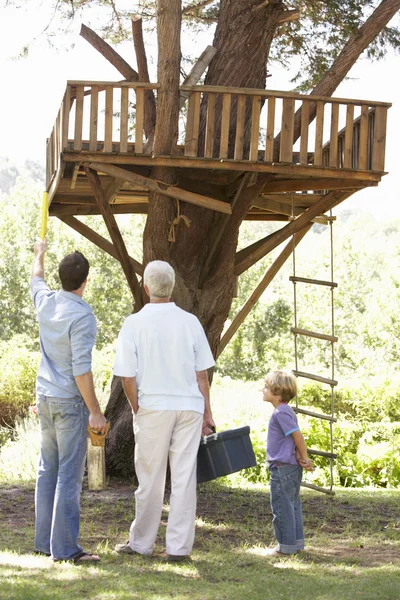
x: 38, y: 266
x: 130, y: 389
x: 204, y: 387
x: 86, y: 387
x: 300, y: 444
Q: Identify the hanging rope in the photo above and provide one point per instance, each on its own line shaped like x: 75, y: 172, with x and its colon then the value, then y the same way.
x: 175, y: 223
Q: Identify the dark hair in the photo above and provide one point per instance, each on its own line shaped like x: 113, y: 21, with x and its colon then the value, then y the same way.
x: 73, y: 270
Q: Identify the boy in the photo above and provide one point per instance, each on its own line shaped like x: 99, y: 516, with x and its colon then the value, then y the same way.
x: 287, y: 457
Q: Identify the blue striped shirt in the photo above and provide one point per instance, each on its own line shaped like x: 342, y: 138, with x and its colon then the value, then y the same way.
x: 67, y: 331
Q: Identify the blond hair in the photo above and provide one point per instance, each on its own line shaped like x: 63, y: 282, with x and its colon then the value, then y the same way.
x: 282, y: 384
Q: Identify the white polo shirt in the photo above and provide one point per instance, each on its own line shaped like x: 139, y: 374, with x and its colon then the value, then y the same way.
x: 163, y: 346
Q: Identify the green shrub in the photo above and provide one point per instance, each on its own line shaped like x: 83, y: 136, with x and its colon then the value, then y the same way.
x: 19, y: 456
x: 17, y: 380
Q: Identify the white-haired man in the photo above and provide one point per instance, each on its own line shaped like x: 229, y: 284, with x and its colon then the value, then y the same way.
x: 163, y: 356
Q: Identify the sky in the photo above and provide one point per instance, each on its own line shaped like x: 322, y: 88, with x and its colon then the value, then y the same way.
x: 32, y: 89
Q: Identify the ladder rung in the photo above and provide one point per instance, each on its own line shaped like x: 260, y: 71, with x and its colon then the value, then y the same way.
x: 310, y: 413
x: 313, y: 281
x: 332, y: 382
x: 318, y: 488
x: 314, y: 334
x: 321, y: 453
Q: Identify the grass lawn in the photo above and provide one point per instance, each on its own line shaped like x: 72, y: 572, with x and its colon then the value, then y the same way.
x: 353, y: 549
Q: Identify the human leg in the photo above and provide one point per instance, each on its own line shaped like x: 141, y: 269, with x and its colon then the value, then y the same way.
x: 153, y: 430
x: 70, y: 418
x: 284, y: 486
x: 298, y: 515
x: 183, y: 462
x: 46, y: 478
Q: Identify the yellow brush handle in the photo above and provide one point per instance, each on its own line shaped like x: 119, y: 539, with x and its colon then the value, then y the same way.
x: 45, y: 214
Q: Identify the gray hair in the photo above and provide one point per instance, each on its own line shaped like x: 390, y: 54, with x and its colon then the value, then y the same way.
x: 159, y: 277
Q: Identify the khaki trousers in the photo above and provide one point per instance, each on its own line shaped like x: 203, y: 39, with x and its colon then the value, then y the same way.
x: 161, y: 435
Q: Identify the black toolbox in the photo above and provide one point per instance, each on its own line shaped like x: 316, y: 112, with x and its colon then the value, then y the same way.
x: 223, y: 453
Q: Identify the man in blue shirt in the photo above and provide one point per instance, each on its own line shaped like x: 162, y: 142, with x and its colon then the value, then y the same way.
x: 66, y: 403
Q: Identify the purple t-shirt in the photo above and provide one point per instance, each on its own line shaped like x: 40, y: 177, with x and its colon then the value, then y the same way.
x: 280, y: 444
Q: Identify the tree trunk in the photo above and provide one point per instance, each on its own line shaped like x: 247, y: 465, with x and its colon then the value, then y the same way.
x: 243, y: 37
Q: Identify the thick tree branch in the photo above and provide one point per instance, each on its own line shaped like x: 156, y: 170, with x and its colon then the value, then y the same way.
x: 109, y: 53
x: 140, y: 51
x: 352, y: 50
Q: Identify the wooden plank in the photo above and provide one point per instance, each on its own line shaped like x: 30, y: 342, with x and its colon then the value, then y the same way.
x: 277, y: 93
x: 96, y: 467
x: 312, y: 281
x: 74, y: 175
x: 139, y: 122
x: 116, y: 84
x: 98, y: 240
x: 210, y: 126
x: 327, y: 380
x: 225, y: 121
x: 363, y: 142
x: 255, y: 127
x: 261, y: 287
x: 379, y: 140
x: 240, y: 120
x: 319, y: 133
x: 108, y: 126
x: 192, y: 125
x: 317, y: 415
x: 78, y: 118
x: 315, y: 452
x: 348, y: 138
x: 313, y: 183
x: 305, y: 120
x: 94, y: 107
x: 317, y: 488
x: 334, y: 140
x: 170, y: 191
x: 286, y: 149
x: 115, y: 236
x: 123, y: 134
x: 67, y: 210
x: 314, y: 334
x: 269, y: 141
x: 66, y: 107
x: 289, y: 170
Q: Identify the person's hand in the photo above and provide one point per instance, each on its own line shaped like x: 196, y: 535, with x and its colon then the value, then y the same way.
x: 208, y: 424
x: 306, y: 463
x: 97, y: 423
x: 40, y: 246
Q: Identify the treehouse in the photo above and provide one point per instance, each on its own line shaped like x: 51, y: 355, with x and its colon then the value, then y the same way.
x: 227, y: 141
x: 283, y: 156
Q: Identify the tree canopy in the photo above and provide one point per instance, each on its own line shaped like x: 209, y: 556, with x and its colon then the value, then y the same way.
x: 309, y: 41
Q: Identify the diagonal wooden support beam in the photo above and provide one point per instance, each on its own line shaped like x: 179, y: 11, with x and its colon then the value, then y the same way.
x: 221, y: 226
x: 98, y: 240
x: 250, y: 255
x: 262, y: 286
x: 156, y: 186
x: 116, y: 236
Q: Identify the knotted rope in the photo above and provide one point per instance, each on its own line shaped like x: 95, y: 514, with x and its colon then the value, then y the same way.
x: 175, y: 223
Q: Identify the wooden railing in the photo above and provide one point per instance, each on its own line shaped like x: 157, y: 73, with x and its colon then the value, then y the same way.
x: 225, y: 124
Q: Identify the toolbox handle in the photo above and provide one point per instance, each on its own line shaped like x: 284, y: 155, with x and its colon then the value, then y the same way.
x: 210, y: 438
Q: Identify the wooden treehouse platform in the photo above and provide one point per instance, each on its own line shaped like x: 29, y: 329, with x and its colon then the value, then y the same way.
x: 99, y: 162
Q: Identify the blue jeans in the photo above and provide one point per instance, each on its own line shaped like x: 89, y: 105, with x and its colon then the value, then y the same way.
x: 63, y: 424
x: 286, y: 507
